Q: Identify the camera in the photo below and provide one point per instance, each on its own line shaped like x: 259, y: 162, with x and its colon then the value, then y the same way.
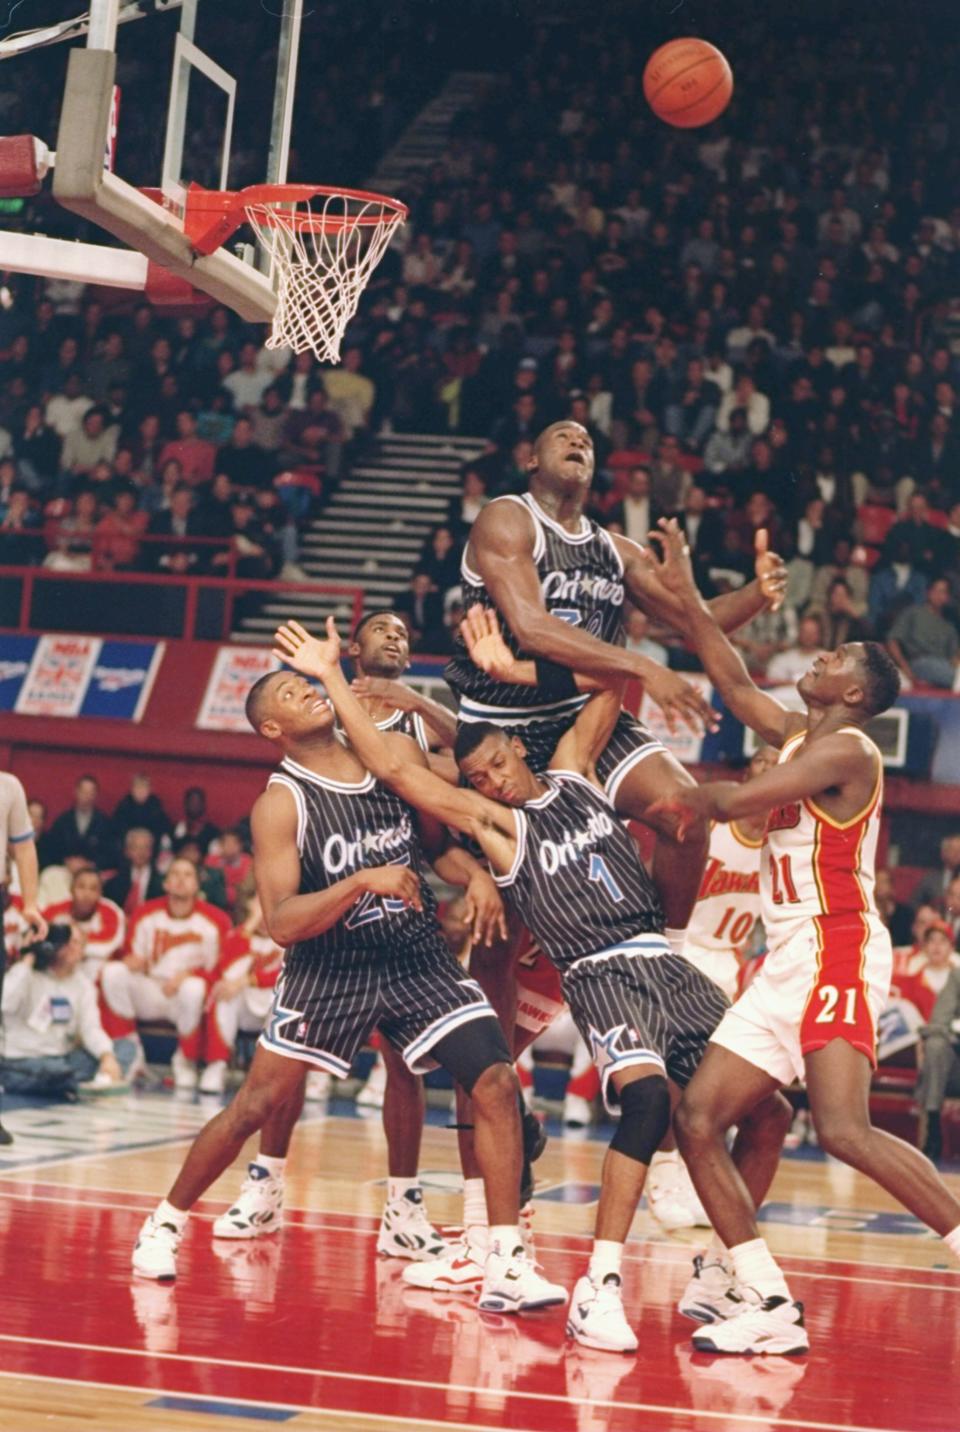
x: 45, y: 951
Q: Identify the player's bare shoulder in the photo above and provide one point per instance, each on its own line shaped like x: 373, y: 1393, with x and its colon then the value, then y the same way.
x: 505, y: 526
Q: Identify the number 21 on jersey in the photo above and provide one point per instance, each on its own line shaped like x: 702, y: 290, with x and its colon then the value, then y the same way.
x: 781, y: 878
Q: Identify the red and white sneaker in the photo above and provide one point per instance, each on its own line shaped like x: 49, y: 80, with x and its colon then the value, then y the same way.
x: 460, y: 1270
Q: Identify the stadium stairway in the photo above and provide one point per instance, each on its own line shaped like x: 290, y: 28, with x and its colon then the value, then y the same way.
x: 371, y: 534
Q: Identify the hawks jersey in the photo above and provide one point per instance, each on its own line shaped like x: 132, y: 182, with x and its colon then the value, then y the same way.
x: 577, y: 880
x: 343, y: 827
x: 728, y: 902
x: 103, y: 932
x: 244, y: 954
x: 814, y: 865
x: 403, y: 723
x: 172, y: 945
x: 581, y: 580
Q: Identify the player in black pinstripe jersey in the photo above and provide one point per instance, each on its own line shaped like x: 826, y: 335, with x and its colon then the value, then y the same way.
x: 560, y: 582
x: 573, y: 871
x: 380, y: 653
x: 339, y: 873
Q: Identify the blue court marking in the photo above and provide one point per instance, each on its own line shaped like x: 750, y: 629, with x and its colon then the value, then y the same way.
x: 838, y: 1220
x: 222, y: 1409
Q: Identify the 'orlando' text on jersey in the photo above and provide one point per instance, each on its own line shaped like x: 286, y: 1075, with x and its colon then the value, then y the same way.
x: 581, y: 581
x: 577, y: 881
x: 344, y: 827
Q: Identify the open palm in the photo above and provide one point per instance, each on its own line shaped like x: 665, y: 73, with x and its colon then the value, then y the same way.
x: 481, y: 632
x: 310, y: 655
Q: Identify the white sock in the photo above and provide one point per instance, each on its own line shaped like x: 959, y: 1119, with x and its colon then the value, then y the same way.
x: 166, y: 1213
x: 665, y: 1156
x: 754, y: 1265
x: 675, y: 939
x: 400, y: 1187
x: 474, y: 1203
x: 716, y: 1252
x: 505, y: 1238
x: 952, y: 1240
x: 273, y: 1166
x: 605, y: 1260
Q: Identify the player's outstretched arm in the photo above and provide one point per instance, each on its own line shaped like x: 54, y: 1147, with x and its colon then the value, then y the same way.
x: 438, y: 717
x: 722, y: 662
x: 502, y: 549
x: 289, y: 915
x: 730, y: 611
x: 464, y: 810
x: 483, y: 638
x: 840, y: 760
x: 579, y: 749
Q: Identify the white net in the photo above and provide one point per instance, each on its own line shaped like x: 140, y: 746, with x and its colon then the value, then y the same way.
x: 324, y: 251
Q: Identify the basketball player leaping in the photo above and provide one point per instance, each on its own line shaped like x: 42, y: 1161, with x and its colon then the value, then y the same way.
x: 811, y: 1011
x: 380, y: 652
x: 339, y: 875
x: 573, y: 873
x: 559, y: 583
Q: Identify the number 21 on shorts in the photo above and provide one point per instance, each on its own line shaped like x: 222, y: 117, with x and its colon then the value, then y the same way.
x: 836, y: 1003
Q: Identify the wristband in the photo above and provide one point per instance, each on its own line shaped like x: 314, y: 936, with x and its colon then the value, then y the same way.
x: 555, y: 681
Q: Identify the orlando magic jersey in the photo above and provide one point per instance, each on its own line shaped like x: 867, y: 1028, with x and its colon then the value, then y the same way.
x: 403, y: 723
x: 343, y: 827
x: 577, y: 881
x: 581, y: 579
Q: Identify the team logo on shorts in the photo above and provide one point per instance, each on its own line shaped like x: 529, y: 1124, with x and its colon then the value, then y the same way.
x: 605, y: 1048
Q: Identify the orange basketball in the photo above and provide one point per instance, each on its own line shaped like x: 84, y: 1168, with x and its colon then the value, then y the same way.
x: 687, y: 83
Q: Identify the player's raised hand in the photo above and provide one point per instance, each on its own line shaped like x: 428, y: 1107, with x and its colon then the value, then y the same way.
x: 397, y: 693
x: 483, y: 910
x: 394, y: 882
x: 680, y: 700
x: 307, y: 654
x: 481, y: 632
x: 669, y: 557
x: 770, y: 570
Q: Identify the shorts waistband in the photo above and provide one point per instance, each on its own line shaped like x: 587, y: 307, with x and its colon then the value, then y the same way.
x: 647, y: 947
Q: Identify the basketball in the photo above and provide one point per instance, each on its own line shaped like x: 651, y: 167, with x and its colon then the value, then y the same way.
x: 687, y: 83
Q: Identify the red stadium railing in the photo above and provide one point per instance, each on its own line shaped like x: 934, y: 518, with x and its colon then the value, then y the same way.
x: 199, y: 608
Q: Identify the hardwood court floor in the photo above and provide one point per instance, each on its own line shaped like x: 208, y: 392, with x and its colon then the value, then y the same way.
x: 310, y: 1328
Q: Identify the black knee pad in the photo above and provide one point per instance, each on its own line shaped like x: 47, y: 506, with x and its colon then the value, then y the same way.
x: 644, y: 1118
x: 471, y: 1050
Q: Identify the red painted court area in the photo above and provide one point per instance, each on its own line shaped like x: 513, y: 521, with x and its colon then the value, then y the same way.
x: 312, y: 1320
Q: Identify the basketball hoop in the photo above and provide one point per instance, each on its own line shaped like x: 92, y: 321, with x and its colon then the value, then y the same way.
x: 323, y: 244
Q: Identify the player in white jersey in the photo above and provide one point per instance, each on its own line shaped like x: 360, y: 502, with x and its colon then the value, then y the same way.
x: 728, y: 901
x: 173, y: 945
x: 811, y: 1012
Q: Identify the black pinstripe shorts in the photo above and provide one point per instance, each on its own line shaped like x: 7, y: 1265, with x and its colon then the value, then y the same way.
x: 323, y: 1012
x: 629, y: 744
x: 643, y: 1008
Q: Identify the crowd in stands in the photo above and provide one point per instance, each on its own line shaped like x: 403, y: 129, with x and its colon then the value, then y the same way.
x: 758, y: 323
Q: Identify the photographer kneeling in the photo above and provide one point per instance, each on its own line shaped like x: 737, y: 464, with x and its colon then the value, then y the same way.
x: 54, y: 1040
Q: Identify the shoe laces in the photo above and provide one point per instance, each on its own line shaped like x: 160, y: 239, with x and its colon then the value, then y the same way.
x: 164, y: 1233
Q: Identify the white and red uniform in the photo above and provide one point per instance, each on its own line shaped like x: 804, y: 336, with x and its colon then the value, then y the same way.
x: 103, y: 933
x: 254, y: 957
x: 727, y: 906
x: 829, y: 963
x: 14, y: 926
x: 539, y: 997
x: 170, y: 946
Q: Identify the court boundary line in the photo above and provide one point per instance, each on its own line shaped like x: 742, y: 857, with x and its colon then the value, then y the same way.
x: 761, y: 1421
x: 542, y: 1243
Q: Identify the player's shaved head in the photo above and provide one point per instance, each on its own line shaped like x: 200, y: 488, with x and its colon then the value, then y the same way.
x: 258, y: 699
